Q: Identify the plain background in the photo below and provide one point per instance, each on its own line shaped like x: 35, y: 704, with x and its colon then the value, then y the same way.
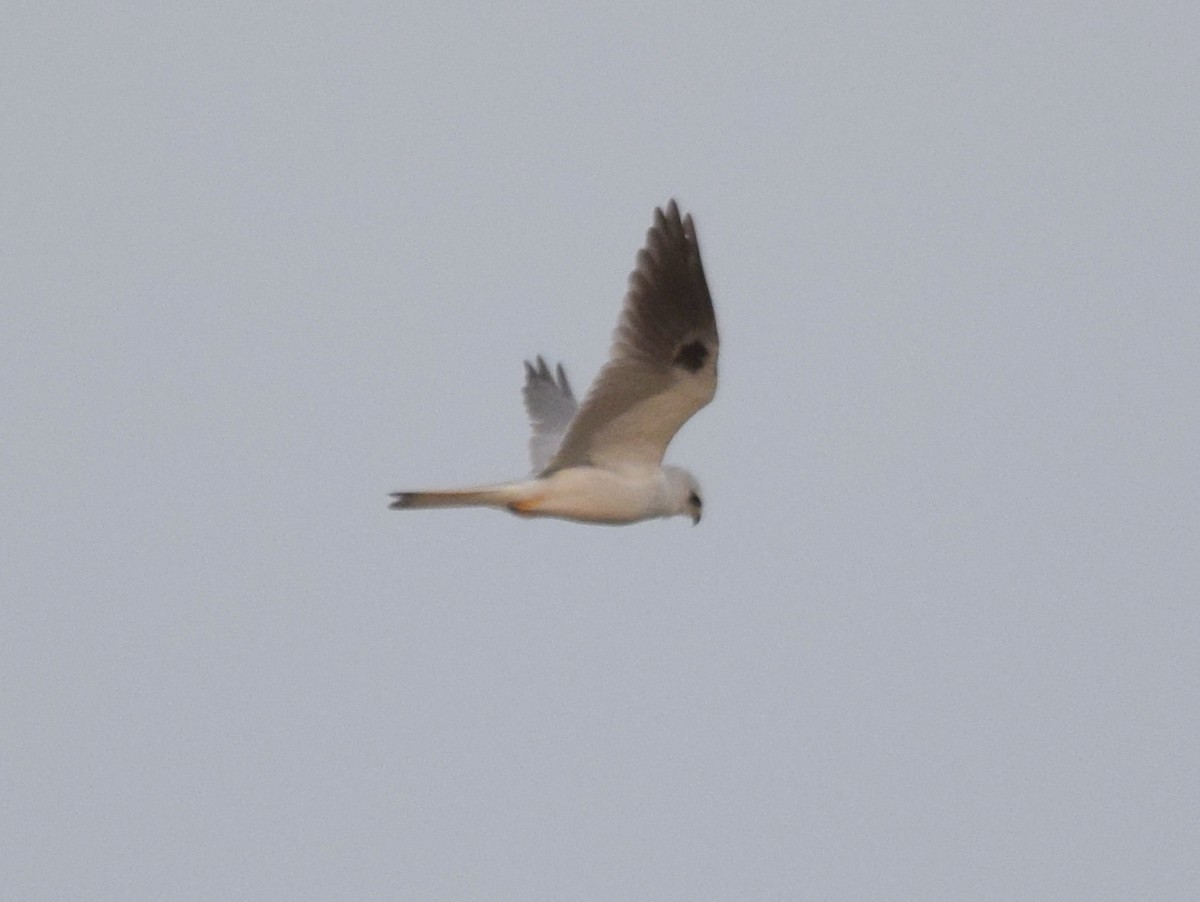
x: 937, y: 636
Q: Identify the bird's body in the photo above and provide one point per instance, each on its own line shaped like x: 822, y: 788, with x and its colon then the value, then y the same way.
x: 602, y: 462
x: 583, y: 494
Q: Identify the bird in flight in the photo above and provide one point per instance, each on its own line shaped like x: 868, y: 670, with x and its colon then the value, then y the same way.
x: 601, y: 462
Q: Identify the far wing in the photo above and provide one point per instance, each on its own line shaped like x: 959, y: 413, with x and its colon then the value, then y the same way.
x: 551, y: 406
x: 663, y: 364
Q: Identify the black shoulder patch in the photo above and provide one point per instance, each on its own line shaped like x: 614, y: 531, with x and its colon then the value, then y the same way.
x: 691, y: 356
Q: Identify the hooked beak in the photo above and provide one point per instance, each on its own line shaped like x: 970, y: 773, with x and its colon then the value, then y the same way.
x: 696, y: 518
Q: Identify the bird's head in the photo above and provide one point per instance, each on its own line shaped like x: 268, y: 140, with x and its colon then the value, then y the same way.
x: 685, y: 494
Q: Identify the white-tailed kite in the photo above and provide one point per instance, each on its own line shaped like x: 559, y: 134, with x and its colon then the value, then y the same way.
x: 602, y: 462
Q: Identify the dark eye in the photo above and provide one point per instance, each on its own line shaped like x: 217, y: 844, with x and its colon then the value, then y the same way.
x: 695, y: 499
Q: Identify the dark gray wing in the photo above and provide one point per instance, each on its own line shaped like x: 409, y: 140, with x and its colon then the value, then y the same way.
x: 663, y: 364
x: 551, y: 406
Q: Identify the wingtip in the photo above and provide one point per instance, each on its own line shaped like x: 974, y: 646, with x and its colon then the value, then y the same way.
x: 670, y: 227
x: 538, y: 370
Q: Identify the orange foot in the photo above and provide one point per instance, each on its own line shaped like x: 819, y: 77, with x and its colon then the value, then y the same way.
x: 525, y: 508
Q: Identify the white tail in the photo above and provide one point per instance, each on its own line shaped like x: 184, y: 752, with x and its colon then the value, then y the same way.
x: 483, y: 496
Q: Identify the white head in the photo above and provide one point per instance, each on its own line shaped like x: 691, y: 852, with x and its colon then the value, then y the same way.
x: 683, y: 494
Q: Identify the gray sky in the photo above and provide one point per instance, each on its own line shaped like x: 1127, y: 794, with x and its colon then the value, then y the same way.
x: 937, y: 636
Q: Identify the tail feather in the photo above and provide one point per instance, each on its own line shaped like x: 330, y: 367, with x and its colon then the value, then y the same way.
x: 487, y: 496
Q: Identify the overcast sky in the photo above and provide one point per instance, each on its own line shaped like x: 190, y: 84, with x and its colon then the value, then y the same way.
x: 938, y: 636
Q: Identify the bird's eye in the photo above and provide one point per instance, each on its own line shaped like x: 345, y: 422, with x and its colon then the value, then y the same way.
x: 694, y: 499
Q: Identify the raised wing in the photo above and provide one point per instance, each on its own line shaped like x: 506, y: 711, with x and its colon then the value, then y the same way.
x: 663, y: 364
x: 551, y: 406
